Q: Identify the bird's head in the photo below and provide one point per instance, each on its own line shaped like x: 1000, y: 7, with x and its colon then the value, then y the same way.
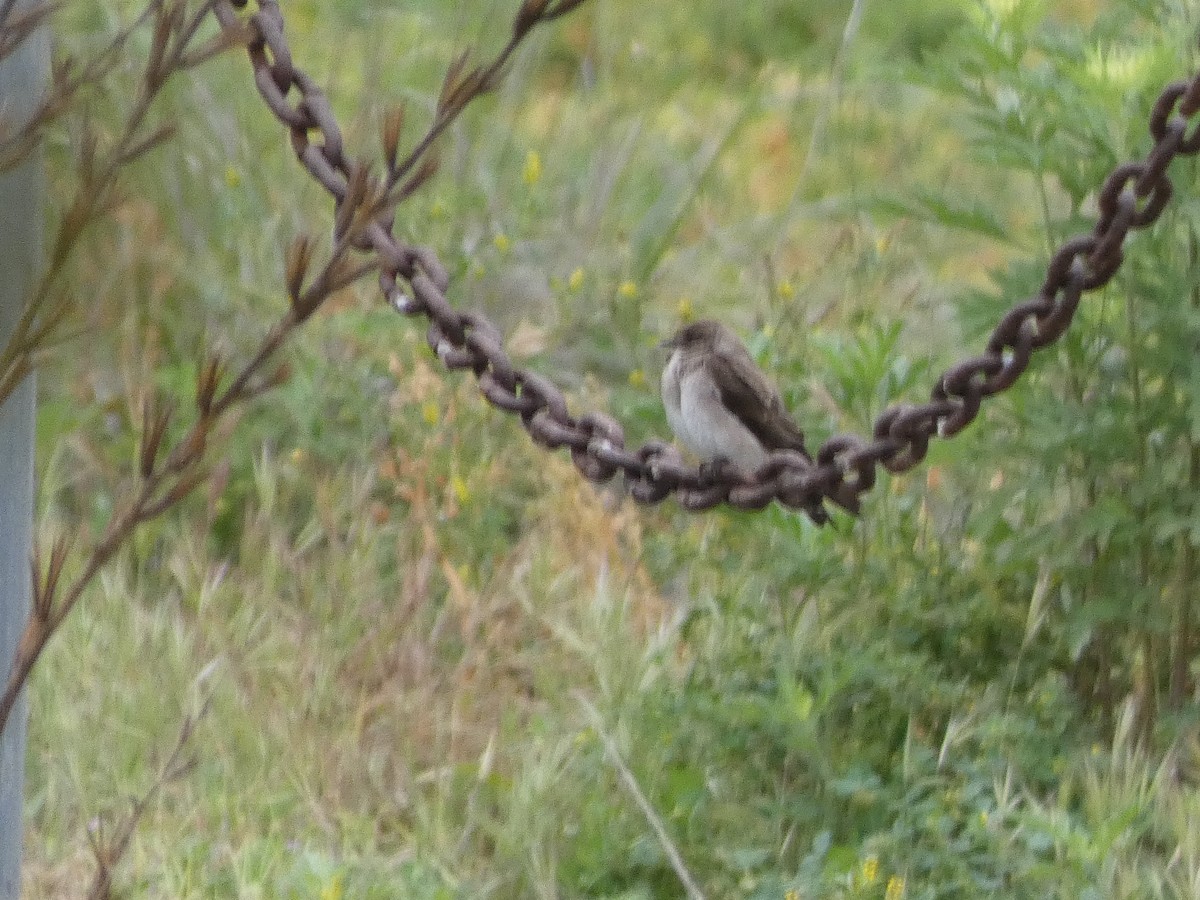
x: 698, y: 335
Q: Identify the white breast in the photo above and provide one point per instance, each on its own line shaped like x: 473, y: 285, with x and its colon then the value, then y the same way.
x: 705, y: 425
x: 671, y: 400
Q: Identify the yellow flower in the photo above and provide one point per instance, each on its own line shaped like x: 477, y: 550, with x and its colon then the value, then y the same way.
x: 792, y: 894
x: 533, y: 168
x: 895, y: 888
x: 786, y: 289
x: 333, y: 889
x: 870, y: 869
x: 298, y: 456
x: 627, y: 289
x: 459, y: 485
x: 233, y: 178
x: 575, y: 282
x: 501, y: 241
x: 438, y: 209
x: 637, y: 378
x: 685, y: 310
x: 430, y: 412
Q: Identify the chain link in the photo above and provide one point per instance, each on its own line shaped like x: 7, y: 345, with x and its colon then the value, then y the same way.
x: 1131, y: 198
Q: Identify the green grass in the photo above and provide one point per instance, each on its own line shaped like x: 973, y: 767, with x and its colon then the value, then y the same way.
x: 399, y: 605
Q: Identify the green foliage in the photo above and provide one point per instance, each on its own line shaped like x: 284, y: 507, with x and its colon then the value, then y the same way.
x: 1103, y: 425
x: 971, y: 691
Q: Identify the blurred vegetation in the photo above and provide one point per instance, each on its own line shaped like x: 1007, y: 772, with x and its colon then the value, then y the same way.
x: 984, y: 687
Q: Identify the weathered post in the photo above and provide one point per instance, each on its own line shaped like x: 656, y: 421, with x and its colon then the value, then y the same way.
x: 23, y: 78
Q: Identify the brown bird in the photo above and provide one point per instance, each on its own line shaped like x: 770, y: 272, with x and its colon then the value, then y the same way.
x: 721, y: 406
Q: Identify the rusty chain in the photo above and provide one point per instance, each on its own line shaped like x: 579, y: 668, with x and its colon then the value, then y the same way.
x: 1131, y: 198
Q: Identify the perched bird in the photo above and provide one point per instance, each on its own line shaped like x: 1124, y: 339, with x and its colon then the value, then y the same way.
x: 721, y: 406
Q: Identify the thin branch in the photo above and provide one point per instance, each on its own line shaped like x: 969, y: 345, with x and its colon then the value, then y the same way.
x: 15, y: 147
x: 459, y: 90
x: 16, y: 30
x: 97, y: 177
x: 631, y: 785
x: 836, y: 75
x: 163, y: 485
x: 108, y: 852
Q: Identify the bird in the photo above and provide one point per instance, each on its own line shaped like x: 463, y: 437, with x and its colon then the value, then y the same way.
x: 721, y: 406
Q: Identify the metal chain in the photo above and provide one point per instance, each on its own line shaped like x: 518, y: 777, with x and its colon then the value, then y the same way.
x: 1132, y: 197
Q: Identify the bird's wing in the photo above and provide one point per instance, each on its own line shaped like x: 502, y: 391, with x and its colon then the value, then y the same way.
x: 748, y: 395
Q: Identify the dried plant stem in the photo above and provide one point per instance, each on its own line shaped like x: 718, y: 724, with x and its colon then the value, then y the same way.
x: 164, y: 485
x: 630, y: 782
x: 162, y: 489
x: 108, y: 850
x: 836, y: 77
x: 16, y: 29
x: 46, y: 307
x: 458, y: 93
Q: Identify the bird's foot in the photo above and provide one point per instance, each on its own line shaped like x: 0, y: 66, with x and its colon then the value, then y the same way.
x: 719, y: 469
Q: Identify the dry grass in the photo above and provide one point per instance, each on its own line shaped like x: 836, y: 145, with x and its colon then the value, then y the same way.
x: 395, y: 597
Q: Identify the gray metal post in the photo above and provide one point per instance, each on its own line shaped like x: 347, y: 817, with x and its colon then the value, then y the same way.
x: 23, y: 78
